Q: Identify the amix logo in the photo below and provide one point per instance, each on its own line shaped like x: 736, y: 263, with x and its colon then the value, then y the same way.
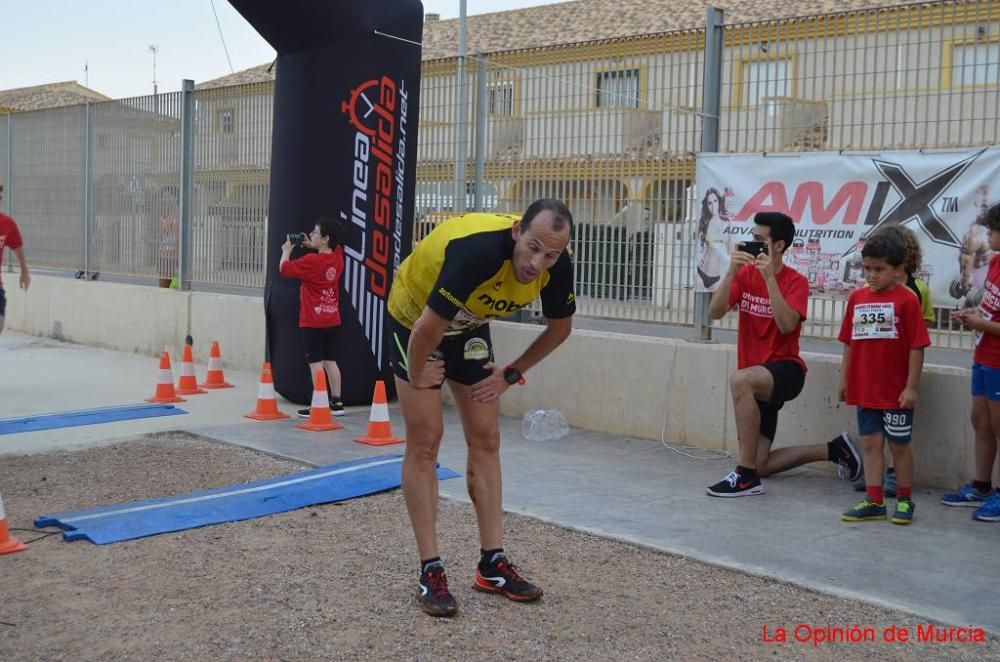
x: 859, y: 201
x: 499, y: 305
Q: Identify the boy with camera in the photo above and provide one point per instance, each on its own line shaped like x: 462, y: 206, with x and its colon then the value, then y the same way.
x: 319, y: 300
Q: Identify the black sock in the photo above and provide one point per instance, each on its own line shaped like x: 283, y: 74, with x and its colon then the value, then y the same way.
x: 983, y: 486
x: 486, y: 556
x: 425, y: 564
x: 746, y: 472
x: 335, y: 399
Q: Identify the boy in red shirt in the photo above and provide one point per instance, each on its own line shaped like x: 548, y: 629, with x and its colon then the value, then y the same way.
x: 10, y: 237
x: 884, y: 337
x: 979, y: 493
x: 319, y: 302
x: 772, y: 298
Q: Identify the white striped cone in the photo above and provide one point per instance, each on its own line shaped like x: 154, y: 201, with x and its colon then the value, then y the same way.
x: 215, y: 378
x: 267, y: 401
x: 379, y: 425
x: 165, y: 383
x: 319, y: 409
x: 188, y: 383
x: 320, y: 400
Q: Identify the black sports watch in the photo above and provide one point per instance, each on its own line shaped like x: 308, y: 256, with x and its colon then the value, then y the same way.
x: 512, y: 375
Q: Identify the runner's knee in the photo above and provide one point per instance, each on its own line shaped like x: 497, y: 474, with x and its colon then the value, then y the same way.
x: 423, y: 446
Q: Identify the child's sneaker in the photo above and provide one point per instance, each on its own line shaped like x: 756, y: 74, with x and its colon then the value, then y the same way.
x: 865, y: 511
x: 337, y: 408
x: 967, y: 497
x: 990, y: 510
x: 904, y: 511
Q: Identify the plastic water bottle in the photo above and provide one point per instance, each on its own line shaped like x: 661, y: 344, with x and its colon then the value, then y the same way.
x: 544, y: 424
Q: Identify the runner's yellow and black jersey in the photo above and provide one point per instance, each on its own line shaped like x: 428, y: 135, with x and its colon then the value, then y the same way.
x: 463, y: 271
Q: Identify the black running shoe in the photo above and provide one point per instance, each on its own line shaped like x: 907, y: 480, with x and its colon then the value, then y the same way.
x: 735, y: 485
x: 433, y: 593
x: 303, y: 413
x: 846, y: 457
x: 337, y: 408
x: 500, y: 576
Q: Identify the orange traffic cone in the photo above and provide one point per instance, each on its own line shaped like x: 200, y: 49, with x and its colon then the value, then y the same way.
x: 214, y: 378
x: 165, y: 383
x: 267, y: 402
x: 8, y: 544
x: 319, y: 410
x: 188, y: 383
x: 379, y: 427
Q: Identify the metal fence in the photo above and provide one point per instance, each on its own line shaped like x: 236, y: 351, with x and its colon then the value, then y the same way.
x: 611, y: 127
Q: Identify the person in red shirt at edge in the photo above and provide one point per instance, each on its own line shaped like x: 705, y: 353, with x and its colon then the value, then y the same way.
x: 319, y: 301
x: 772, y: 300
x: 10, y: 237
x: 979, y: 493
x: 884, y: 337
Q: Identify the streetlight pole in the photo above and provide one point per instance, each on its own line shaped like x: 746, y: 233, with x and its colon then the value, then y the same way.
x: 461, y: 116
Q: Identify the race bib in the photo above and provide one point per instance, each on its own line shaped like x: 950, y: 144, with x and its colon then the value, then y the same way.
x: 874, y: 320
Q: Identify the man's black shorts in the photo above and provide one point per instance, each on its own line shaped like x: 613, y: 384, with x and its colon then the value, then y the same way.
x: 789, y: 378
x: 321, y: 344
x: 3, y: 303
x: 464, y: 355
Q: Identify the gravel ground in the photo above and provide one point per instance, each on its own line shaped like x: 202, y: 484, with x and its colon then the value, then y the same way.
x: 338, y: 582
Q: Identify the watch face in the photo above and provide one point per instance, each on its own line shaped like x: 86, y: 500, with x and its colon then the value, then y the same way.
x: 512, y: 375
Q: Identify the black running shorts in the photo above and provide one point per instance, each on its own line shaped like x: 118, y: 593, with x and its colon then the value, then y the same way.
x: 464, y: 354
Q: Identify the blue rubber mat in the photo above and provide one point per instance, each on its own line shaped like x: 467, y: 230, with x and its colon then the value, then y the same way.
x: 139, y: 519
x: 69, y: 419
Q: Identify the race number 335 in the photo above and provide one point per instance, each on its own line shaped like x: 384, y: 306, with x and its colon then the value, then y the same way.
x: 874, y: 320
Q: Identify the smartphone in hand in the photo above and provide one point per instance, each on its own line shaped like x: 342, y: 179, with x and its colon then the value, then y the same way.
x: 754, y: 248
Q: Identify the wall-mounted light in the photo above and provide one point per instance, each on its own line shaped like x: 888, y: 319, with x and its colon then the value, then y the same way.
x: 981, y: 32
x: 764, y: 46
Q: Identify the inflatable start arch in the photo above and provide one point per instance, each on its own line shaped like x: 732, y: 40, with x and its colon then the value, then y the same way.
x: 344, y: 145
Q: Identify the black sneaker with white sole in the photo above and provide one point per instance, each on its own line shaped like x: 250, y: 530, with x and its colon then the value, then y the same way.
x: 337, y: 408
x: 845, y: 455
x: 433, y: 593
x: 735, y: 485
x: 303, y: 413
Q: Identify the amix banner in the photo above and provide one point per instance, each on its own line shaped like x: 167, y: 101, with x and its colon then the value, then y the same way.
x: 344, y: 145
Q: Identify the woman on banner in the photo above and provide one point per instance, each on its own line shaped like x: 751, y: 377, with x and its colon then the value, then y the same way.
x: 714, y: 240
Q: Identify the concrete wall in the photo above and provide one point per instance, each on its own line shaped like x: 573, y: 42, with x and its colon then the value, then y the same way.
x: 138, y: 319
x: 653, y: 388
x: 678, y: 391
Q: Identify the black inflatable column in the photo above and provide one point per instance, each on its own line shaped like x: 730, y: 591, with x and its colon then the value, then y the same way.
x: 344, y: 144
